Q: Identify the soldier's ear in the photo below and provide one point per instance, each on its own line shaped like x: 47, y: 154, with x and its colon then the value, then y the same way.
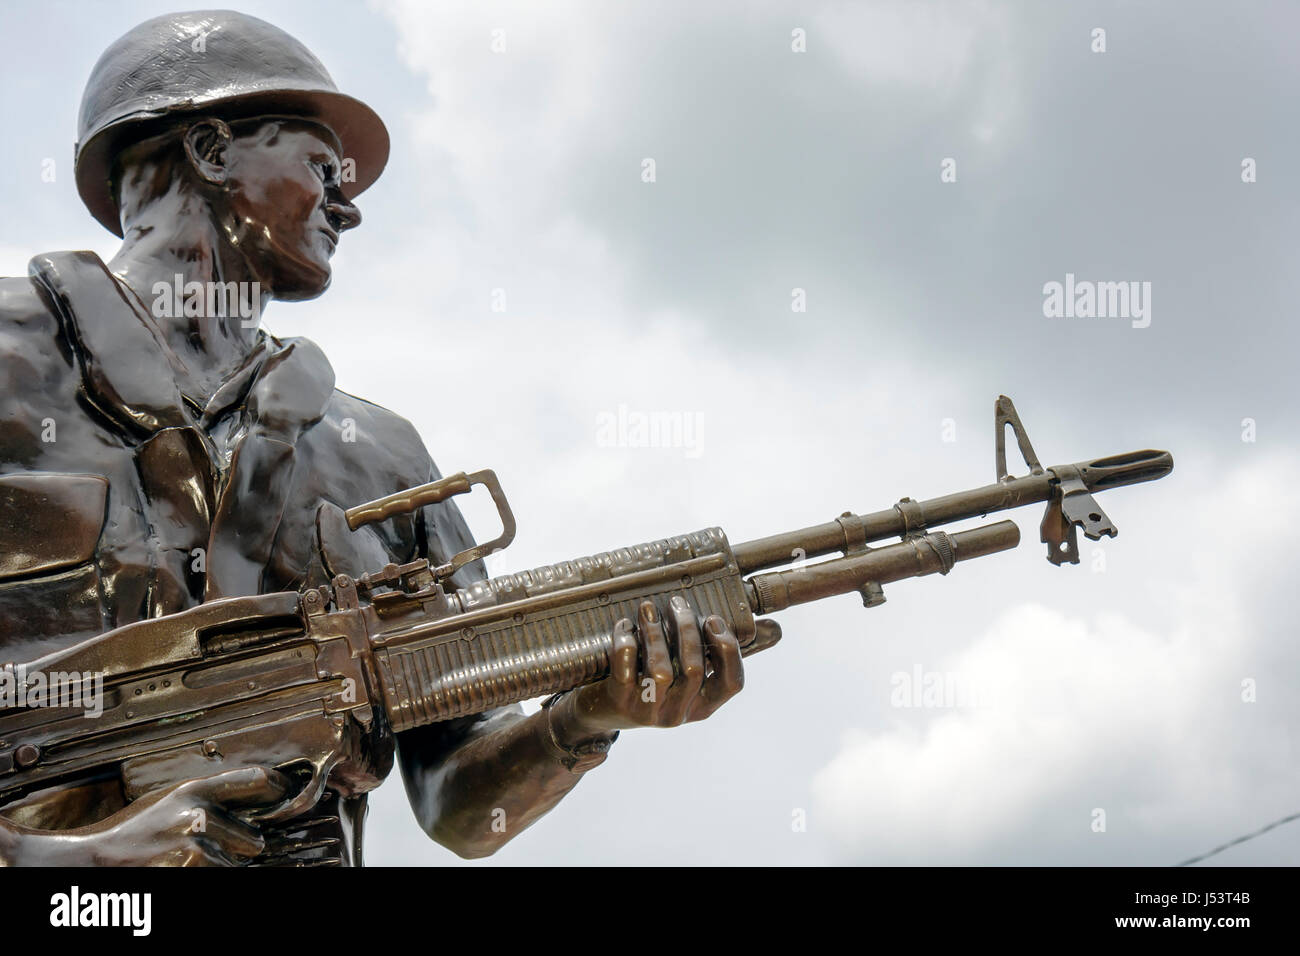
x: 205, y: 146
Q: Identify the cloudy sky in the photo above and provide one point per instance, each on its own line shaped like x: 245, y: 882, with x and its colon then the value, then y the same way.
x: 1115, y: 685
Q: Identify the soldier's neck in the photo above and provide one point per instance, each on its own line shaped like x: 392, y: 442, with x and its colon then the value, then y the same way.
x: 158, y: 264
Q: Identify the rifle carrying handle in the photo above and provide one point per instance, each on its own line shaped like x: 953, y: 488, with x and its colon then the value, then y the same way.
x: 408, y: 501
x: 413, y: 499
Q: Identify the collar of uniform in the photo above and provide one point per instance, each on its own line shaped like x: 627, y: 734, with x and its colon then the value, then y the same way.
x: 128, y: 371
x: 233, y: 389
x: 128, y: 367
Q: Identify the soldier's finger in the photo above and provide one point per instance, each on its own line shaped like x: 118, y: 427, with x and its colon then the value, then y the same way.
x: 622, y: 665
x: 656, y: 661
x: 688, y: 649
x: 197, y: 851
x: 214, y: 854
x: 244, y: 787
x: 727, y: 676
x: 232, y: 836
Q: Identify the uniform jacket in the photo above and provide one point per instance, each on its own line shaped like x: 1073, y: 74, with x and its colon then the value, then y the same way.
x: 120, y: 500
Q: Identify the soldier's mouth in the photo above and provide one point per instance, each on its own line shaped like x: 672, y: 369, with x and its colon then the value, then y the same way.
x: 332, y: 236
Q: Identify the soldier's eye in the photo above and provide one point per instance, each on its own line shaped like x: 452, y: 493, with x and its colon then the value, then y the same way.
x: 328, y: 173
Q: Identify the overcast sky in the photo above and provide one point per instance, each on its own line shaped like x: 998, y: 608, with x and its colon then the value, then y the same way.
x: 1116, y: 688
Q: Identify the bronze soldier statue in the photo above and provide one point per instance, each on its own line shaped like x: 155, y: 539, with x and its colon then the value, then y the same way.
x: 157, y: 452
x: 258, y: 572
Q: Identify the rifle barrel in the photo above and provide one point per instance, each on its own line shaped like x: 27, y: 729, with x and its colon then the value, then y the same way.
x: 926, y: 554
x: 851, y: 531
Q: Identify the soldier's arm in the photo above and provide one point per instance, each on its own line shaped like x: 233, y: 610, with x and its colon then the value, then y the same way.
x: 192, y: 823
x: 477, y: 782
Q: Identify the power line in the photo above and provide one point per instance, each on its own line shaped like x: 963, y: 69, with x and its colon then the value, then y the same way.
x: 1240, y: 839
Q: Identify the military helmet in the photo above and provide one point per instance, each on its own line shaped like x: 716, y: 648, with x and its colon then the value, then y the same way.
x: 216, y: 62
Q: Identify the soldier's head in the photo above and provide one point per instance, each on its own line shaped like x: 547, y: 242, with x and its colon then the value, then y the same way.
x: 270, y: 188
x: 220, y: 121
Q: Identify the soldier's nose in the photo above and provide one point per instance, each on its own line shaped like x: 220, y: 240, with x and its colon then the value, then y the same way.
x: 342, y: 214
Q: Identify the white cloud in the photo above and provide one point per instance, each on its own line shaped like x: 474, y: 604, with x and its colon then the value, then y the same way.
x: 1080, y: 712
x: 909, y: 43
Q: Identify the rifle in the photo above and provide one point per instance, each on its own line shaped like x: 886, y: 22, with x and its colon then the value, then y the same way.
x: 303, y: 682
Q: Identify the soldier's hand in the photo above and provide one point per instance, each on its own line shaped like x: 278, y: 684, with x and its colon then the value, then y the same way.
x: 666, y: 669
x: 190, y: 824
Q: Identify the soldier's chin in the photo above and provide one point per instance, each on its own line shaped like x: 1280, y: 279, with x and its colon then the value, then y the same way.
x: 306, y: 281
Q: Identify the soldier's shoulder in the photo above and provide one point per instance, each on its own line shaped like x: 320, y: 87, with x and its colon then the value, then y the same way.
x: 32, y: 352
x: 373, y: 437
x: 380, y: 424
x: 25, y: 306
x: 350, y: 428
